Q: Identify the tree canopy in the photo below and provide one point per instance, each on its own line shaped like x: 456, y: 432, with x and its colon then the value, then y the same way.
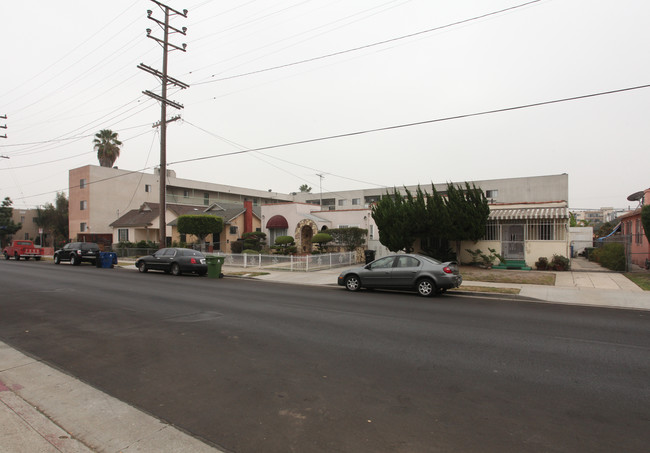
x: 107, y: 146
x: 54, y: 218
x: 7, y: 225
x: 305, y: 188
x: 350, y: 238
x: 200, y: 225
x: 430, y: 217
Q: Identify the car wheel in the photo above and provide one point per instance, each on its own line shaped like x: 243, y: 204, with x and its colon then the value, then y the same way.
x: 142, y: 267
x: 16, y: 257
x: 426, y: 287
x: 27, y: 258
x: 176, y: 269
x: 352, y: 283
x: 6, y: 256
x: 57, y: 259
x: 73, y: 260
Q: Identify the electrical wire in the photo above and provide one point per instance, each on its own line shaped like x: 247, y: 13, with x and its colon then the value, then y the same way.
x: 417, y: 123
x: 367, y: 46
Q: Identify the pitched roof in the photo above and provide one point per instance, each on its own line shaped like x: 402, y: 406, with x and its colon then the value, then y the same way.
x: 148, y: 212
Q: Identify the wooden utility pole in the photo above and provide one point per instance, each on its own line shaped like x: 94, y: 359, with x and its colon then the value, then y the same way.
x: 162, y: 98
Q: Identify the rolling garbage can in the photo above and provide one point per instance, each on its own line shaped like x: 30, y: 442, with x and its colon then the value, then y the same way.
x: 214, y: 266
x: 370, y: 256
x: 107, y: 260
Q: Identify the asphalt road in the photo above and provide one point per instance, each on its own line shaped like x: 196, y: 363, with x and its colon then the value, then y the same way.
x: 252, y: 366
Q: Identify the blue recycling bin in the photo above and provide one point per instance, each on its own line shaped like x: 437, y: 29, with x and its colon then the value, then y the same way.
x: 107, y: 259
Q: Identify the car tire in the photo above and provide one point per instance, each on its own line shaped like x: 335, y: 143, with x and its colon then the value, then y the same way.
x: 73, y: 260
x: 426, y: 287
x: 176, y: 269
x: 16, y: 257
x: 57, y: 259
x: 352, y: 283
x: 142, y: 267
x: 6, y: 255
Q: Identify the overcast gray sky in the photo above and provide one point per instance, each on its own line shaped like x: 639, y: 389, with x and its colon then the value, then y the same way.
x: 69, y: 69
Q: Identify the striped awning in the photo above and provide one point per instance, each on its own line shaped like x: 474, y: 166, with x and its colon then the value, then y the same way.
x: 529, y: 213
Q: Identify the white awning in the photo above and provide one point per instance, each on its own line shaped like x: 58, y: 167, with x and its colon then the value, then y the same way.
x: 529, y: 213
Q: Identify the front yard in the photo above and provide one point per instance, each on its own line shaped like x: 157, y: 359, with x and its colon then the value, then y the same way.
x: 476, y: 274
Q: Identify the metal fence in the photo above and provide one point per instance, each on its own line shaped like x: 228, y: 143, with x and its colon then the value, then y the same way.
x: 291, y: 263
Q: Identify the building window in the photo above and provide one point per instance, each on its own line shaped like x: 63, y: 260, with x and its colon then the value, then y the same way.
x: 183, y: 237
x: 147, y: 187
x: 356, y: 201
x: 122, y: 235
x: 22, y: 219
x: 82, y: 183
x: 639, y: 232
x: 233, y: 229
x: 186, y: 193
x: 343, y: 202
x: 83, y: 205
x: 83, y: 227
x: 206, y: 198
x: 371, y: 231
x: 491, y: 194
x: 492, y: 231
x: 27, y: 236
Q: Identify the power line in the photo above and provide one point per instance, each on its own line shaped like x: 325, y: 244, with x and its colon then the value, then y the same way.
x: 342, y: 52
x: 418, y: 123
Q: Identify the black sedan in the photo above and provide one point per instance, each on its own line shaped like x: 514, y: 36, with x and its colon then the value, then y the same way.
x: 77, y: 252
x: 174, y: 260
x: 424, y: 274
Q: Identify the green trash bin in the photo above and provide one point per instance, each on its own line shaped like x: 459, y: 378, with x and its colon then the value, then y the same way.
x: 214, y: 266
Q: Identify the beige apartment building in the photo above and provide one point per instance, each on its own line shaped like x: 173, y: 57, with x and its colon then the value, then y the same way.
x: 98, y: 196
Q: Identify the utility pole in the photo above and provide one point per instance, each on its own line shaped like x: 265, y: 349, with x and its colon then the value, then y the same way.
x: 321, y: 176
x: 4, y: 117
x: 162, y: 98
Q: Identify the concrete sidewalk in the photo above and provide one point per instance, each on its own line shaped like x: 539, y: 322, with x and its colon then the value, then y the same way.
x: 45, y: 410
x: 586, y: 284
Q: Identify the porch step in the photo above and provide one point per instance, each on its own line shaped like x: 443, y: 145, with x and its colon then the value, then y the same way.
x: 513, y: 264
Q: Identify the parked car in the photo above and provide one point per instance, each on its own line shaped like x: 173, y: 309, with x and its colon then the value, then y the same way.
x: 22, y: 249
x: 174, y: 260
x: 423, y: 274
x: 77, y: 252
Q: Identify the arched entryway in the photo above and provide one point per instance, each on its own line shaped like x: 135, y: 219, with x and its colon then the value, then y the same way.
x: 304, y: 232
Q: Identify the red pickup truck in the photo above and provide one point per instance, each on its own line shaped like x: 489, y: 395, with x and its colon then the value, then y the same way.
x: 23, y: 249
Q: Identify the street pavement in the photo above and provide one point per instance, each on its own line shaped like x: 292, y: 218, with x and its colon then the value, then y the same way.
x: 45, y: 410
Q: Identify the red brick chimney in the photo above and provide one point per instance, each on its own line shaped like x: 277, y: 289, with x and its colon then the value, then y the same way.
x: 248, y: 217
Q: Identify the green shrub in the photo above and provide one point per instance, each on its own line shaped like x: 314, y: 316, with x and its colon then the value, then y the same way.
x: 542, y: 263
x: 285, y: 245
x: 611, y: 256
x: 251, y: 252
x: 321, y: 239
x: 560, y: 263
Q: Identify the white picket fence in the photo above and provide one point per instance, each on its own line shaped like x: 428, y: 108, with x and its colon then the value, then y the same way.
x: 292, y: 263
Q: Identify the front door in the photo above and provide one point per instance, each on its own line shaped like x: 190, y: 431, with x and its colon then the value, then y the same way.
x: 512, y: 242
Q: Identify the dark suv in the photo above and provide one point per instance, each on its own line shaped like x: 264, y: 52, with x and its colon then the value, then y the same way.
x: 76, y: 252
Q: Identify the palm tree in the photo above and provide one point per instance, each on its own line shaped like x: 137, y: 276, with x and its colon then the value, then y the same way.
x: 107, y: 146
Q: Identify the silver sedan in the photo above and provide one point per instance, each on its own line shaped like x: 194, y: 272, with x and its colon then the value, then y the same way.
x: 424, y: 274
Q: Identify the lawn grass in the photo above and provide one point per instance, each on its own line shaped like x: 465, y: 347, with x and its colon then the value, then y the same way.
x: 642, y: 279
x: 487, y: 289
x: 476, y: 274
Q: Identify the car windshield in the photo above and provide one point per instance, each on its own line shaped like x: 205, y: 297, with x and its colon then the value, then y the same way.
x: 91, y: 247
